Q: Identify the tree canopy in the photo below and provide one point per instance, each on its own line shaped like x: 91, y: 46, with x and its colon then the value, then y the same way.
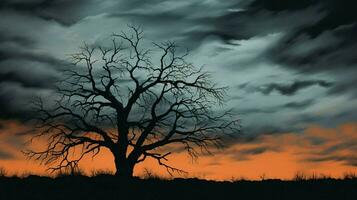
x: 133, y: 101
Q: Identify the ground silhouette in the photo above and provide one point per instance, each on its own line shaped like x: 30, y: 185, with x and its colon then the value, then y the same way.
x: 110, y: 187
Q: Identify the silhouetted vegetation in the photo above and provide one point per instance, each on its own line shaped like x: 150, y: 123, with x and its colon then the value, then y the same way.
x: 106, y: 186
x: 122, y: 98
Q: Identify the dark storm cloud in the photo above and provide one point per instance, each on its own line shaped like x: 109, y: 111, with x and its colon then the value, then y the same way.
x: 293, y: 105
x: 347, y: 85
x: 293, y: 88
x: 66, y: 12
x: 264, y: 17
x: 171, y: 24
x: 13, y: 77
x: 20, y: 81
x: 14, y: 101
x: 22, y: 54
x: 257, y: 110
x: 30, y: 72
x: 6, y: 38
x: 330, y: 50
x: 317, y: 37
x: 24, y: 73
x: 285, y: 89
x: 334, y: 119
x: 252, y: 134
x: 311, y: 19
x: 256, y: 18
x: 299, y: 105
x: 69, y: 12
x: 329, y: 43
x: 280, y: 5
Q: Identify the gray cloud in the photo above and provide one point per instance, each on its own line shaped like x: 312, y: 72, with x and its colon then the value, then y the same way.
x: 291, y: 89
x: 248, y: 39
x: 299, y: 105
x: 285, y: 89
x: 347, y: 160
x: 5, y: 155
x: 293, y: 105
x: 24, y: 73
x: 66, y: 12
x: 255, y: 151
x: 345, y: 86
x: 248, y: 152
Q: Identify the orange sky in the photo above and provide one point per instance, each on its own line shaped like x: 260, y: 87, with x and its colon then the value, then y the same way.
x: 318, y: 150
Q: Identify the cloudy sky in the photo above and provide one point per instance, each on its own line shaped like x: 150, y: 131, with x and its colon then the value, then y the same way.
x: 291, y: 68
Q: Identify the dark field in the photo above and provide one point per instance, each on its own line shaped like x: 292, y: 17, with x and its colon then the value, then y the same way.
x: 109, y: 187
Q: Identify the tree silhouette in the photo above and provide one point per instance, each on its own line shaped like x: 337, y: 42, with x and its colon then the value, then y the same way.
x: 118, y: 97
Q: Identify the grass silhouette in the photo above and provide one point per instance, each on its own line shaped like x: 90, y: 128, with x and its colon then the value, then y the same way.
x: 103, y: 185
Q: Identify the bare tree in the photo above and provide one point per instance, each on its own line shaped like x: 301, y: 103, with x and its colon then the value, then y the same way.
x: 118, y: 98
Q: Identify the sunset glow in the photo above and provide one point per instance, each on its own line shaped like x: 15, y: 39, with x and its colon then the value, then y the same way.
x: 270, y: 156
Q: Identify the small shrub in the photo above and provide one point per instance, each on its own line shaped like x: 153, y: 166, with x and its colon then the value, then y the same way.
x: 70, y: 172
x: 2, y: 172
x: 349, y: 175
x: 314, y: 177
x: 26, y: 174
x: 262, y: 177
x: 237, y: 179
x: 300, y: 176
x: 149, y: 174
x: 101, y: 172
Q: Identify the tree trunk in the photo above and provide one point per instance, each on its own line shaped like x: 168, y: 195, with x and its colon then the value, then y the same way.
x: 124, y: 168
